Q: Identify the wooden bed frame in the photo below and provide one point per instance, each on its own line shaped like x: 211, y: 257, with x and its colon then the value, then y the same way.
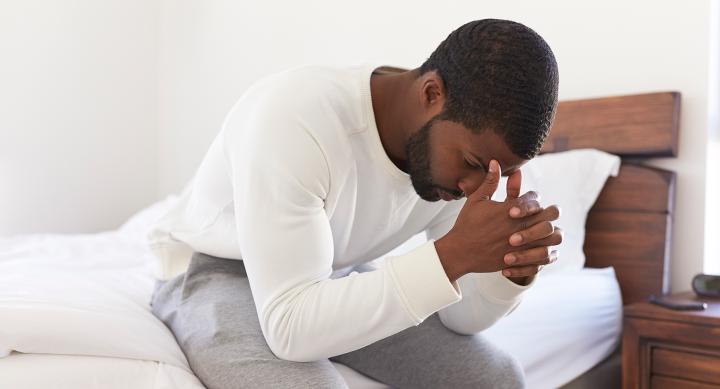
x: 630, y: 225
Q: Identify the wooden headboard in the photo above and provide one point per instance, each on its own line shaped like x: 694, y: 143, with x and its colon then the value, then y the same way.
x: 630, y: 225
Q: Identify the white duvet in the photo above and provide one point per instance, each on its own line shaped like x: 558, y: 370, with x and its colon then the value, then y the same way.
x: 74, y: 313
x: 85, y: 296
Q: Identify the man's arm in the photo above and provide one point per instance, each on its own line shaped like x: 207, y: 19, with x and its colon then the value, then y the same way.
x: 486, y: 297
x: 489, y: 295
x: 280, y: 179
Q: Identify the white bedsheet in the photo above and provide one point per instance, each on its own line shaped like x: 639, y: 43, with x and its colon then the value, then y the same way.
x: 43, y: 371
x: 566, y: 324
x: 66, y: 300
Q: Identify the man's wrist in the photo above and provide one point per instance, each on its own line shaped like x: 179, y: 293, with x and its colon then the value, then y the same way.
x: 445, y: 252
x: 522, y: 281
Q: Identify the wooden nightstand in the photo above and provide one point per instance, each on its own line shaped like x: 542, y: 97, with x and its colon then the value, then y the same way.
x: 667, y: 349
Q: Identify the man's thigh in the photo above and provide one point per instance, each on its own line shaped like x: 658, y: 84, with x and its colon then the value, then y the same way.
x: 211, y: 312
x: 431, y: 356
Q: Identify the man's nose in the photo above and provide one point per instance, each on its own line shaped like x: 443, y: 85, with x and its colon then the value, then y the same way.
x: 471, y: 182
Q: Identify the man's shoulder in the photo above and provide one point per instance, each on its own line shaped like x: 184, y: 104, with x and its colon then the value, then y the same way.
x: 312, y: 79
x: 315, y: 108
x: 324, y: 100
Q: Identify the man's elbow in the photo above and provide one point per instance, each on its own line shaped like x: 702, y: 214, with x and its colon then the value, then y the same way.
x: 282, y: 349
x: 467, y: 327
x: 470, y: 324
x: 288, y: 345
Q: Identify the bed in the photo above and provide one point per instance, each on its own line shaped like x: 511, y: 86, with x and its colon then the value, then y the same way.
x: 74, y: 309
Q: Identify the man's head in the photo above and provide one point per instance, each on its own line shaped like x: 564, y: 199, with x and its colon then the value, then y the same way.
x: 489, y: 91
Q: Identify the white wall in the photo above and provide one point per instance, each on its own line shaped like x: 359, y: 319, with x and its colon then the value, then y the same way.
x: 712, y: 205
x: 211, y: 51
x: 78, y: 106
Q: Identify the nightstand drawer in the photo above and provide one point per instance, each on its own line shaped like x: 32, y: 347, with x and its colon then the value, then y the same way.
x: 669, y: 349
x: 686, y: 364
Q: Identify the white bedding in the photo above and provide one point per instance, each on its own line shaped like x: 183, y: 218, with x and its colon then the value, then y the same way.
x: 68, y: 301
x: 43, y: 371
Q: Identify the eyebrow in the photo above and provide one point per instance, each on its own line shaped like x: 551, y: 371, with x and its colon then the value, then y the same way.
x: 485, y: 166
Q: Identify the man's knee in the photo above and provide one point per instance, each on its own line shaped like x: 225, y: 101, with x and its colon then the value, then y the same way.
x: 500, y: 370
x: 248, y: 372
x: 514, y: 376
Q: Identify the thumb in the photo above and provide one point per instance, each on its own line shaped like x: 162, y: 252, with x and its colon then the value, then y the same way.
x: 489, y: 185
x: 513, y: 185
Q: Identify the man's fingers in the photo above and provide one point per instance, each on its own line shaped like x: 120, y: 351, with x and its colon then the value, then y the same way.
x: 530, y: 195
x: 525, y: 208
x: 549, y: 214
x: 553, y: 239
x: 526, y: 205
x: 522, y: 271
x: 535, y: 232
x: 513, y: 185
x: 535, y: 256
x: 489, y: 185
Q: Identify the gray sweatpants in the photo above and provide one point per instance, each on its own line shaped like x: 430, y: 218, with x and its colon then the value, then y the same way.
x: 212, y: 314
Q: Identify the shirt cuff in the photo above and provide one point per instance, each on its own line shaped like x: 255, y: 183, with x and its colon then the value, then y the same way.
x: 496, y: 287
x: 422, y: 283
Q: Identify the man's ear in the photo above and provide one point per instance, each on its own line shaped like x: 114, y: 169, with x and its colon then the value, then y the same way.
x: 433, y: 92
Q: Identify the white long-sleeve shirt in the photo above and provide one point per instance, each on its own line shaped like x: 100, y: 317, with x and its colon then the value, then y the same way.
x: 297, y: 185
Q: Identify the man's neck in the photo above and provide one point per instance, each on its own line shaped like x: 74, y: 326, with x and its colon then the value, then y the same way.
x: 389, y: 88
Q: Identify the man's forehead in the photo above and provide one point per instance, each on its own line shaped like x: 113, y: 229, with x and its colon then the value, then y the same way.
x: 488, y: 145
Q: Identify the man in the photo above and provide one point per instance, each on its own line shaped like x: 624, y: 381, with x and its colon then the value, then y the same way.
x: 316, y: 172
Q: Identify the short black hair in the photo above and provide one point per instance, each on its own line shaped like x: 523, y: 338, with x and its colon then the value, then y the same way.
x: 498, y: 75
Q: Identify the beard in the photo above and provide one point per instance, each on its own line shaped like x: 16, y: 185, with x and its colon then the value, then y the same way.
x: 417, y: 151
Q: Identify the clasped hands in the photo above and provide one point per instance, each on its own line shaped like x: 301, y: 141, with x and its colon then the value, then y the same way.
x: 514, y: 236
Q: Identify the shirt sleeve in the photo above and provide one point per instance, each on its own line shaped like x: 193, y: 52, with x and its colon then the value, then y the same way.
x: 280, y: 180
x: 486, y: 297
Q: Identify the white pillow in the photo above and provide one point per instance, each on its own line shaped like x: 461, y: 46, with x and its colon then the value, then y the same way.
x: 572, y: 180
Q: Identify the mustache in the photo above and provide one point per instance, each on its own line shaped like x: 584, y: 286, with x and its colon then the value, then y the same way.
x: 453, y: 192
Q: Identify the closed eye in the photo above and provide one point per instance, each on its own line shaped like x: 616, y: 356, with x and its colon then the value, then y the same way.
x: 473, y: 165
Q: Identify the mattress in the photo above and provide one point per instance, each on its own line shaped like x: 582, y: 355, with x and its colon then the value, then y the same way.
x: 42, y: 371
x: 70, y: 302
